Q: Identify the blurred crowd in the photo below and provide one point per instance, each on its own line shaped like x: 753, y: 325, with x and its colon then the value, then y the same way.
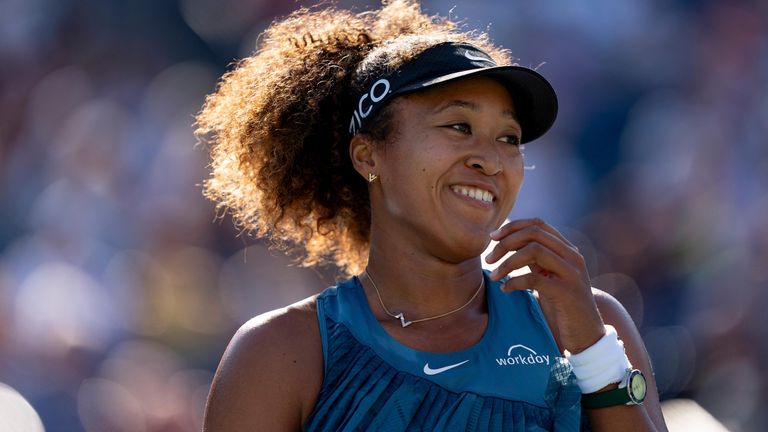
x: 120, y: 288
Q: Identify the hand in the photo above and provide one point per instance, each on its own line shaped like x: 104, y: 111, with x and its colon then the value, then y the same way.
x: 558, y: 273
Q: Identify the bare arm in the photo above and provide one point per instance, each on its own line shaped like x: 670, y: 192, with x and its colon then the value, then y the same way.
x: 643, y: 417
x: 270, y: 373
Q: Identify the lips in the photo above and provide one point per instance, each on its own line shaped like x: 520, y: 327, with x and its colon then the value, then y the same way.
x: 474, y: 192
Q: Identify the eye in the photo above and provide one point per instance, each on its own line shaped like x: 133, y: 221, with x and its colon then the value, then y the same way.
x: 461, y: 127
x: 511, y: 139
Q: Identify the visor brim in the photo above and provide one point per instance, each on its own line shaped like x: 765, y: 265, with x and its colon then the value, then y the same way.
x: 534, y: 98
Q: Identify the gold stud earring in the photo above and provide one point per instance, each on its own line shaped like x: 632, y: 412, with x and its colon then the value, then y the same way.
x: 372, y: 177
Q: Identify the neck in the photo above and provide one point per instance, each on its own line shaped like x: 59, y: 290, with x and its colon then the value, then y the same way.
x: 417, y: 283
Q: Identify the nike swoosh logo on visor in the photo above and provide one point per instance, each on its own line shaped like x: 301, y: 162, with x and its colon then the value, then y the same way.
x: 429, y: 371
x: 476, y: 58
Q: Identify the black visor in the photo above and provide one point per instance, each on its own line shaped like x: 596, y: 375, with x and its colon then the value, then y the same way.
x: 534, y: 98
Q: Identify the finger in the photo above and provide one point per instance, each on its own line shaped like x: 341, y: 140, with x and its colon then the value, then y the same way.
x: 533, y: 233
x: 519, y: 224
x: 533, y: 280
x: 538, y: 255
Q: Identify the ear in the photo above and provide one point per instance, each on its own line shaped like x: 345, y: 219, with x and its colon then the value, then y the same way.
x: 363, y: 155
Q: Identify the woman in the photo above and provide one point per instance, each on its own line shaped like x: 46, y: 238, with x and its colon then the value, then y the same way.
x: 389, y: 144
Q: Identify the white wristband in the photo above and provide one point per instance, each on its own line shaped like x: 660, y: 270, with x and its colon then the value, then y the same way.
x: 603, y: 363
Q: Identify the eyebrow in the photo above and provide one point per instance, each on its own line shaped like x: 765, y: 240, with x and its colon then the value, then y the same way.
x: 470, y: 106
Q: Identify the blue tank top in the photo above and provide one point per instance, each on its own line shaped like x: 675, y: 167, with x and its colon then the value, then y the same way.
x: 513, y: 379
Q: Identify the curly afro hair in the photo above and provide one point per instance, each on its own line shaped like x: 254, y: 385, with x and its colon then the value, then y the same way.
x: 276, y: 125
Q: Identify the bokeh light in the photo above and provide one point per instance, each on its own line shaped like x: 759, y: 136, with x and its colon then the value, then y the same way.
x: 16, y: 414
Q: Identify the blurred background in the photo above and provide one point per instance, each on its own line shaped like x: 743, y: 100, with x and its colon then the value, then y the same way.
x: 119, y: 289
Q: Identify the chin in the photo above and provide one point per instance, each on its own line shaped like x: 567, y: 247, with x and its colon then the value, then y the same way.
x: 467, y: 246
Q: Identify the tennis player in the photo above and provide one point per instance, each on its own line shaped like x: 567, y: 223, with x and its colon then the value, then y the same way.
x: 390, y: 144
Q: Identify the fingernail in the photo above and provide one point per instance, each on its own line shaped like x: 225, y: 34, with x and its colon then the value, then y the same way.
x: 494, y: 234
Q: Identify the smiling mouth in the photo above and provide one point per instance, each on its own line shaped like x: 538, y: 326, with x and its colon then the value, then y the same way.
x: 475, y: 193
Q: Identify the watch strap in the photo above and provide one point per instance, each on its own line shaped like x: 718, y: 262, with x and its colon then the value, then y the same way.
x: 618, y: 396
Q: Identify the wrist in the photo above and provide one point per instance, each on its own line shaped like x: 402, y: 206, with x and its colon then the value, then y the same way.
x: 601, y: 364
x: 587, y: 341
x: 631, y: 391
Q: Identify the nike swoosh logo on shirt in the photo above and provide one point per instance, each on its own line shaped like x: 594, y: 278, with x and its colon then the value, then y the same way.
x: 429, y: 371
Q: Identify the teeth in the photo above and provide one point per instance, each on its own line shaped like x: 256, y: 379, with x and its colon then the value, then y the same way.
x: 475, y: 193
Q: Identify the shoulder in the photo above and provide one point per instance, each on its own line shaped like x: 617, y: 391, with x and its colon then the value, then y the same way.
x: 278, y: 324
x: 270, y: 373
x: 291, y: 330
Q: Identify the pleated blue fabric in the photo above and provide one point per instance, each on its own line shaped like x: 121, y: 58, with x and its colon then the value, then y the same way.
x: 512, y: 380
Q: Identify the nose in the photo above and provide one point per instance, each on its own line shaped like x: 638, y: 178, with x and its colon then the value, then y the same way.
x: 485, y: 158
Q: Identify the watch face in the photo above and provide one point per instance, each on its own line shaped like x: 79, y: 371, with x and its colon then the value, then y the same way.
x: 637, y: 386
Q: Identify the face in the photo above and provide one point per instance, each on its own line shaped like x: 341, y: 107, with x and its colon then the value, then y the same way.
x: 452, y: 168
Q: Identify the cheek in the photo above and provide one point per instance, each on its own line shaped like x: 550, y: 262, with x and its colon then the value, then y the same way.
x: 420, y: 159
x: 515, y: 192
x: 515, y: 179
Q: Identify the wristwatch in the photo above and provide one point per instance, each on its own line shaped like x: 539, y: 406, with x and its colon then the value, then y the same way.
x: 631, y: 391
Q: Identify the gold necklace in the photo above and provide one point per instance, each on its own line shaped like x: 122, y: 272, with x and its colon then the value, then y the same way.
x: 401, y: 317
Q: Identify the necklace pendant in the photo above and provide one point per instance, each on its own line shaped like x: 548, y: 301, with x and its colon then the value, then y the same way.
x: 403, y: 321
